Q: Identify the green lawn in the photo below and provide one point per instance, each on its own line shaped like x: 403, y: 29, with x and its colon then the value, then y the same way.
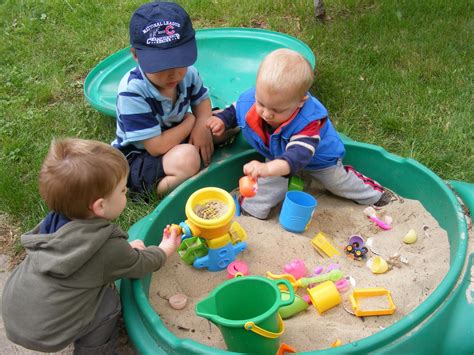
x: 396, y: 73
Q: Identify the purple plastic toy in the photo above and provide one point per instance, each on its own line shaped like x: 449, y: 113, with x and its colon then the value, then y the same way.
x: 342, y: 285
x: 356, y: 239
x: 356, y: 248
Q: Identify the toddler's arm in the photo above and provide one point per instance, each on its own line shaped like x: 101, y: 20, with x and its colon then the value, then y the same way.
x: 170, y: 138
x: 298, y: 153
x: 122, y: 261
x: 200, y: 136
x: 171, y: 240
x: 277, y: 167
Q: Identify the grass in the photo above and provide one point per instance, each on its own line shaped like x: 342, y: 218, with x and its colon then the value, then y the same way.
x: 395, y: 73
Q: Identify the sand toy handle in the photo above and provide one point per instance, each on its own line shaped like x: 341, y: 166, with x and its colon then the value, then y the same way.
x: 265, y: 333
x: 251, y: 326
x: 291, y: 292
x: 333, y: 275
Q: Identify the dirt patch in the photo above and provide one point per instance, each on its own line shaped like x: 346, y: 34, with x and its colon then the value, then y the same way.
x: 9, y: 241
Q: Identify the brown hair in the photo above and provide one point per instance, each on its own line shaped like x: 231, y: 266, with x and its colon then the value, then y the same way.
x: 77, y: 172
x: 286, y: 70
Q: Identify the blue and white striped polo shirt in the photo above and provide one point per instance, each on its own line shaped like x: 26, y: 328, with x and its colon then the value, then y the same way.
x: 143, y: 113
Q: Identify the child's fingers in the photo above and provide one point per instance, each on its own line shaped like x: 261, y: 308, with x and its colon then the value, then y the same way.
x: 246, y: 169
x: 252, y: 169
x: 173, y: 233
x: 167, y: 231
x: 215, y: 128
x: 211, y: 121
x: 249, y: 168
x: 177, y: 241
x: 215, y: 125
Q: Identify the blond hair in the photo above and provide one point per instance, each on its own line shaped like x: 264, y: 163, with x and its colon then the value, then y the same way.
x: 285, y: 70
x: 77, y: 172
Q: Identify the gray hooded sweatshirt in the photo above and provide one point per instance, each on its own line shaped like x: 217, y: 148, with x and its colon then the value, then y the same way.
x: 55, y: 292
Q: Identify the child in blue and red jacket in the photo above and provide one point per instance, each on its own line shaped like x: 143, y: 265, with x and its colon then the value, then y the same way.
x: 282, y: 121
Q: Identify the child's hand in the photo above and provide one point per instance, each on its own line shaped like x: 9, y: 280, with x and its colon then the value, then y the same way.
x: 256, y: 169
x: 171, y: 240
x: 137, y: 244
x: 216, y: 126
x: 201, y: 138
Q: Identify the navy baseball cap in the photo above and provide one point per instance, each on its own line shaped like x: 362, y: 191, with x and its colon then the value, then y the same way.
x: 163, y: 37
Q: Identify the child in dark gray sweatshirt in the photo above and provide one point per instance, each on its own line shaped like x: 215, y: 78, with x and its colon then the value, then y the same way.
x: 63, y: 292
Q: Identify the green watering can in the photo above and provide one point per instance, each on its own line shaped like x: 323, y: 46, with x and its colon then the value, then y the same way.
x: 246, y: 311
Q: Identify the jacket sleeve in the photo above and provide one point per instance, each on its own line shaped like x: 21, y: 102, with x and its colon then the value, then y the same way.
x: 302, y: 147
x: 122, y: 261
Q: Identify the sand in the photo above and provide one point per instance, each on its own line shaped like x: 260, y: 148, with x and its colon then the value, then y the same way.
x: 270, y: 247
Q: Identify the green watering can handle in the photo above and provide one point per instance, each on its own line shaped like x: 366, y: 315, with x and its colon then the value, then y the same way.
x: 265, y: 333
x: 291, y: 292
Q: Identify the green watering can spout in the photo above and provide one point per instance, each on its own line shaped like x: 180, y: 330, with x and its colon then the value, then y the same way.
x: 206, y: 308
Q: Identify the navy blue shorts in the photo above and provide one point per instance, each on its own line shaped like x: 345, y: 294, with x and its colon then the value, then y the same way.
x: 146, y: 171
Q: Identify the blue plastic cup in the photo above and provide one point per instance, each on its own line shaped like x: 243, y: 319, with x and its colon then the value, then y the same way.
x: 297, y: 211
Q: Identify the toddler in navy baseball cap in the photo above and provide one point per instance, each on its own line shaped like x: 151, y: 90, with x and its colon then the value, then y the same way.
x: 163, y: 37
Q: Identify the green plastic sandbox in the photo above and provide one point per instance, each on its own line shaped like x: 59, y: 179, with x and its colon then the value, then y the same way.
x: 228, y: 60
x: 443, y: 323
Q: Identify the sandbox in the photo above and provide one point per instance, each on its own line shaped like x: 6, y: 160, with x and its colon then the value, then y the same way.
x: 441, y: 323
x: 408, y: 178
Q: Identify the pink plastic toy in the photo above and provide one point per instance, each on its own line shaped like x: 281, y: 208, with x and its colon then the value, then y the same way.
x: 371, y: 213
x: 342, y: 285
x: 297, y: 268
x: 237, y: 268
x: 319, y: 269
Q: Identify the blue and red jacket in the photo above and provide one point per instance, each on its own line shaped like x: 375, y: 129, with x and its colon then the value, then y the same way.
x: 328, y: 151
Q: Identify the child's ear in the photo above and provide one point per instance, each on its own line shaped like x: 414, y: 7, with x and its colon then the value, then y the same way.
x: 134, y: 53
x: 303, y: 100
x: 97, y: 207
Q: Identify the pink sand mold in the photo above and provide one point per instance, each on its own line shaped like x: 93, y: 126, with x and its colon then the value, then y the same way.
x: 237, y: 268
x: 297, y: 268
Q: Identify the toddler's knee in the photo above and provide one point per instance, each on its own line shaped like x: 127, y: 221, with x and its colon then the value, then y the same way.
x: 190, y: 160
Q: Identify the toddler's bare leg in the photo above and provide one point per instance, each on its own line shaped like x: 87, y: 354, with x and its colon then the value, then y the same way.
x: 179, y: 163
